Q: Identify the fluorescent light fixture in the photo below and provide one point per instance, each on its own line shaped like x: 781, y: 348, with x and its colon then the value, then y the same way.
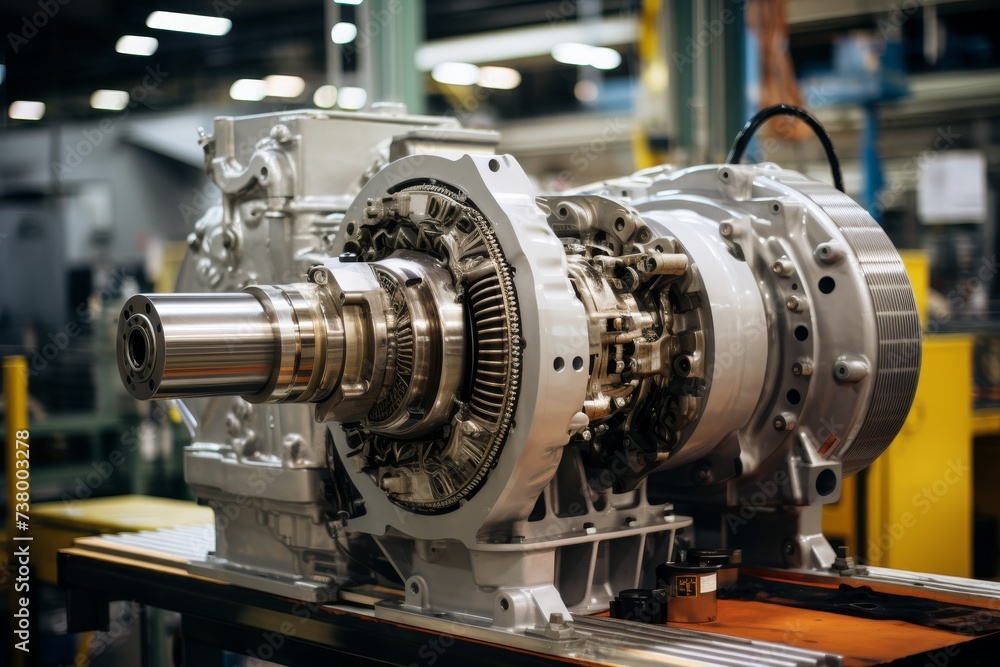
x: 109, y: 100
x: 572, y: 53
x: 325, y: 97
x: 248, y: 90
x: 343, y: 33
x: 600, y: 57
x: 501, y: 78
x: 456, y: 74
x: 280, y: 85
x: 605, y: 58
x: 348, y: 2
x: 26, y: 110
x: 352, y: 98
x: 195, y: 23
x: 487, y: 48
x: 136, y: 45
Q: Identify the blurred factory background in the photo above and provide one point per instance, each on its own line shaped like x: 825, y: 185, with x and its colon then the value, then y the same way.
x: 101, y: 180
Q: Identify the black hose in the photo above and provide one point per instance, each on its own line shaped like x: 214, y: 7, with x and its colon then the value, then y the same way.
x: 746, y: 134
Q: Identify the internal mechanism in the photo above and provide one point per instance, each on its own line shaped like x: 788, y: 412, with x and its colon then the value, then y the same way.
x: 433, y: 473
x: 644, y: 331
x: 515, y: 390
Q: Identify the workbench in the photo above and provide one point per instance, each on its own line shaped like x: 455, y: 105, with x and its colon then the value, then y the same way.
x: 217, y: 616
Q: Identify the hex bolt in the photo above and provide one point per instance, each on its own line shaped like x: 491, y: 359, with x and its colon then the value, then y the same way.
x: 796, y: 304
x: 829, y: 253
x: 783, y: 267
x: 194, y: 241
x: 281, y: 133
x: 727, y: 230
x: 802, y: 368
x: 850, y: 369
x: 703, y: 473
x: 320, y: 275
x: 784, y: 422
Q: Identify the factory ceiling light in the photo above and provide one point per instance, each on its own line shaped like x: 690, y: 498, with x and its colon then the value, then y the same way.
x: 343, y: 33
x: 248, y: 90
x: 325, y: 97
x: 456, y: 74
x: 352, y: 98
x: 281, y: 85
x: 109, y: 100
x: 500, y: 78
x: 600, y: 57
x: 136, y: 45
x: 193, y: 23
x: 26, y: 110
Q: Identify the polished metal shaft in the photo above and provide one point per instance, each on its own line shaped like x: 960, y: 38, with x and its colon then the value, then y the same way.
x: 339, y: 340
x: 177, y: 345
x: 268, y: 344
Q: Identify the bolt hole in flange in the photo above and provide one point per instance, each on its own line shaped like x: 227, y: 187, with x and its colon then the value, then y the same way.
x: 504, y: 604
x: 559, y: 364
x: 826, y: 482
x: 827, y: 284
x: 793, y: 397
x: 801, y: 333
x: 415, y: 588
x: 494, y: 165
x: 577, y: 363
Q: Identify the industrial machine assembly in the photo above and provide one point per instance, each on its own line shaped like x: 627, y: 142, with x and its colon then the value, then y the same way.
x: 404, y: 368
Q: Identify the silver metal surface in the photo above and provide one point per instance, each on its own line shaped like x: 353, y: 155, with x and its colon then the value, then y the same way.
x: 414, y: 371
x: 176, y: 345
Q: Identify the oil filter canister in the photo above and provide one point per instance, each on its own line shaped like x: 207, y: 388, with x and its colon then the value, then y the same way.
x: 691, y: 591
